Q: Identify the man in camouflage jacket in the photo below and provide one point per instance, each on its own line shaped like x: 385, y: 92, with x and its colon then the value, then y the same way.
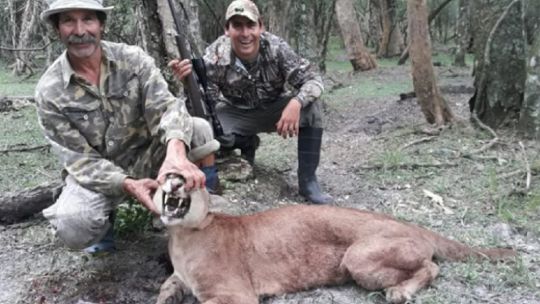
x: 262, y: 85
x: 108, y: 114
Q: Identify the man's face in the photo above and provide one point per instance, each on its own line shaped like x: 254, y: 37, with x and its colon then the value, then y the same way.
x: 80, y: 31
x: 245, y: 36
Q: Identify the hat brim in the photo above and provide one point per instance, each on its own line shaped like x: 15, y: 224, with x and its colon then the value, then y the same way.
x: 46, y: 14
x: 248, y: 15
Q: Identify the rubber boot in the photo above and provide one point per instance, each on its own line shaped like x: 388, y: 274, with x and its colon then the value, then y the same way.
x: 309, y: 152
x: 247, y: 144
x: 106, y: 244
x: 212, y: 179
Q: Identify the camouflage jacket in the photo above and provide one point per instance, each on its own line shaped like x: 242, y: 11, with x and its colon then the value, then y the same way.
x: 278, y: 72
x: 99, y: 133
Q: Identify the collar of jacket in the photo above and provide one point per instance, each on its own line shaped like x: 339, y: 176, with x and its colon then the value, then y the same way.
x: 67, y: 70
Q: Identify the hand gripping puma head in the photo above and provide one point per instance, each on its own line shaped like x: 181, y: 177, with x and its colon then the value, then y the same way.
x: 178, y: 206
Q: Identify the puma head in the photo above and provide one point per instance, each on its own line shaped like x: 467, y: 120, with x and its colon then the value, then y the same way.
x: 177, y: 206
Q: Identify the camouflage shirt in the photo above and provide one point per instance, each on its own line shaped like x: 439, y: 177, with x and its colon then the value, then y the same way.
x: 278, y: 72
x: 100, y: 132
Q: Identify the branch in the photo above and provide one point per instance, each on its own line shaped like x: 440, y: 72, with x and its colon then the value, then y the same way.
x: 415, y: 142
x: 16, y: 206
x: 211, y: 10
x: 5, y: 48
x: 26, y: 149
x: 489, y: 144
x: 410, y: 166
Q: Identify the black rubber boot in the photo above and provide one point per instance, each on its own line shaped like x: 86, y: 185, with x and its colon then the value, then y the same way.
x: 309, y: 152
x: 247, y: 145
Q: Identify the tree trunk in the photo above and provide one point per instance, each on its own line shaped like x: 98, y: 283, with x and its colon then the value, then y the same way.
x: 359, y: 56
x: 501, y: 71
x: 28, y: 21
x: 17, y: 206
x: 374, y: 24
x: 429, y: 97
x: 462, y: 33
x: 529, y: 121
x: 278, y: 18
x: 157, y: 36
x: 13, y: 21
x: 405, y: 55
x: 391, y: 41
x: 325, y: 36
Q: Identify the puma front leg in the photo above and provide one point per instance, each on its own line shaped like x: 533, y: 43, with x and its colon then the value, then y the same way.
x: 172, y: 291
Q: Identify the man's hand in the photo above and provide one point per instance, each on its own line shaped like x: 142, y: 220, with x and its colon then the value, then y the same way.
x: 289, y: 123
x: 181, y: 69
x: 177, y: 163
x: 142, y: 190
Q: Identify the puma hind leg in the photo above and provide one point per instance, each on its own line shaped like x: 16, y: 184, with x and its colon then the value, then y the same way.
x: 420, y: 279
x: 399, y: 265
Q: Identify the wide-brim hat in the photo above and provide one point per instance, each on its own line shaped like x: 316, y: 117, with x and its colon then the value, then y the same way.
x: 244, y: 8
x: 58, y: 6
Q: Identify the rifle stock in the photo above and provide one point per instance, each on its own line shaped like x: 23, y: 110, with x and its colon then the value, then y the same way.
x: 201, y: 106
x: 193, y: 90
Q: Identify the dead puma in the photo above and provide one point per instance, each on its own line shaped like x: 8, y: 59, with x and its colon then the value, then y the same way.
x: 223, y: 259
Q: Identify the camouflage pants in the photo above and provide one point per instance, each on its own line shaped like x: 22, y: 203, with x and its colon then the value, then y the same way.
x: 264, y: 117
x: 81, y: 216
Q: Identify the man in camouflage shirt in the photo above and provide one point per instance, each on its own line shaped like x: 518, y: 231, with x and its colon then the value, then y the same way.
x: 108, y: 114
x: 262, y: 85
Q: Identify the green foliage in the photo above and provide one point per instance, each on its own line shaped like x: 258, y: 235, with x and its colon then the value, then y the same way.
x: 132, y: 218
x: 521, y: 210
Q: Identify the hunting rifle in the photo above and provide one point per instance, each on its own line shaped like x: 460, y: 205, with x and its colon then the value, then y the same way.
x: 201, y: 106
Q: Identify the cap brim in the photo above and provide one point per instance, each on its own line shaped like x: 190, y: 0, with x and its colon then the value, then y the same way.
x: 46, y: 14
x: 245, y: 14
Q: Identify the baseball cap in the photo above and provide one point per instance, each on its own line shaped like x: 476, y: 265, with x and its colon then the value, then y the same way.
x: 244, y: 8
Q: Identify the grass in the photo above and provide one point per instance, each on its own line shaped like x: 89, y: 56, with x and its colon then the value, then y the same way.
x: 11, y: 85
x: 337, y: 58
x: 22, y: 170
x: 473, y: 189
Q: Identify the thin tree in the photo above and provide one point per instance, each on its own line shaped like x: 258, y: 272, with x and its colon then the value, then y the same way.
x: 432, y: 103
x: 359, y: 56
x: 391, y: 40
x: 405, y: 55
x: 462, y: 33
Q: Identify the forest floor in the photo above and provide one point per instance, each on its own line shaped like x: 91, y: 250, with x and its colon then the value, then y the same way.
x: 377, y: 155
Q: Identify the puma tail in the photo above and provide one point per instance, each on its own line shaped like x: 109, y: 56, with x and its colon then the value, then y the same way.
x: 450, y: 250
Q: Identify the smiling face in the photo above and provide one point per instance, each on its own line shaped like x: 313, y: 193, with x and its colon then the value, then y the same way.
x: 245, y: 37
x: 80, y: 31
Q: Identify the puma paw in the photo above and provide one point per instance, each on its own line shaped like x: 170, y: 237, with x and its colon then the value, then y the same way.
x: 397, y: 295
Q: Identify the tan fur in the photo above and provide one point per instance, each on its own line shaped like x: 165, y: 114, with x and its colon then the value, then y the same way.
x: 236, y: 259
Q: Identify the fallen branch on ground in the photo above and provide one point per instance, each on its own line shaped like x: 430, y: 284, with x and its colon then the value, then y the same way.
x: 410, y: 166
x: 17, y: 206
x: 26, y: 149
x: 510, y: 174
x: 418, y: 141
x: 487, y: 146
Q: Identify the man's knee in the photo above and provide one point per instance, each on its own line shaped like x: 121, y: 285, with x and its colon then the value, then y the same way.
x: 311, y: 115
x: 79, y: 216
x: 81, y: 231
x: 202, y: 142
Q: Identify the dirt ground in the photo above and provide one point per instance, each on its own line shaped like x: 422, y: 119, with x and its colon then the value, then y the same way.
x: 377, y: 156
